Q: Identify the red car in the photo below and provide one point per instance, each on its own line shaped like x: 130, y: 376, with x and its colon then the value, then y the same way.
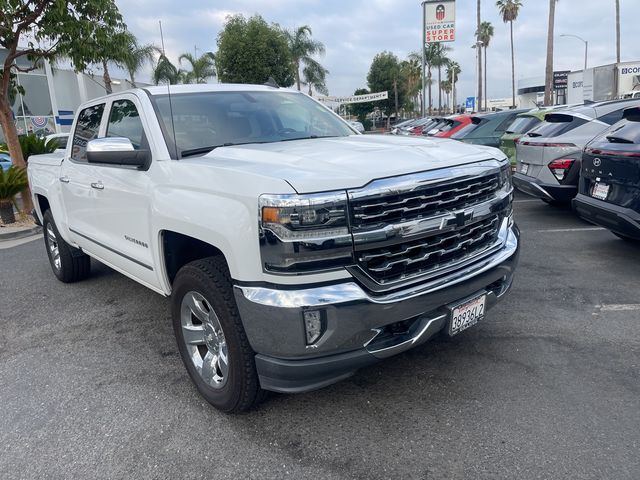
x: 454, y: 125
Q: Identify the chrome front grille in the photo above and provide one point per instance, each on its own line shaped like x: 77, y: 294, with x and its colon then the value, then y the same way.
x: 423, y: 201
x: 425, y: 225
x: 424, y: 255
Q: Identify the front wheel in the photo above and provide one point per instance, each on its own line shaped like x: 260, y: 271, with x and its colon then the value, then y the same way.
x: 626, y: 238
x: 211, y: 339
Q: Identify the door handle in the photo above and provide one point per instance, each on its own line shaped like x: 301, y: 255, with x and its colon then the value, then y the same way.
x: 97, y: 186
x: 65, y: 179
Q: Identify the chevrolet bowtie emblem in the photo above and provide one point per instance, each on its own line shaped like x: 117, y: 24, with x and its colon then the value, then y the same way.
x: 458, y: 219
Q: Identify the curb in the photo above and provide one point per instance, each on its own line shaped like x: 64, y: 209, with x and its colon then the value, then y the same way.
x: 20, y: 233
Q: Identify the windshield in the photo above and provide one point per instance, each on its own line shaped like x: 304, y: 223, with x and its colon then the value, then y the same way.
x: 522, y: 124
x: 205, y: 120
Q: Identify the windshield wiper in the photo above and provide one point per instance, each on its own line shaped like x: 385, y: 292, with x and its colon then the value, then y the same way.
x: 310, y: 137
x: 202, y: 150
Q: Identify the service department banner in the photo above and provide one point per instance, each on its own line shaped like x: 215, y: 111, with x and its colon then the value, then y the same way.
x: 439, y: 21
x: 369, y: 97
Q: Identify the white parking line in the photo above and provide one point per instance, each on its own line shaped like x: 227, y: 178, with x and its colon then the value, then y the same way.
x: 584, y: 229
x: 20, y: 241
x: 527, y: 201
x: 620, y: 308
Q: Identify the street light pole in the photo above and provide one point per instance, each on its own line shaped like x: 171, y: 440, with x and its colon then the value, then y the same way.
x: 586, y: 46
x: 424, y: 59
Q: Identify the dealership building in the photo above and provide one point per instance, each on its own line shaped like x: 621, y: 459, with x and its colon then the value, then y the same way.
x: 52, y: 95
x: 596, y: 84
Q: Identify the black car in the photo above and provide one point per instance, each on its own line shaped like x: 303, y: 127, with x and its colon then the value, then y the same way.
x: 487, y: 128
x: 609, y: 190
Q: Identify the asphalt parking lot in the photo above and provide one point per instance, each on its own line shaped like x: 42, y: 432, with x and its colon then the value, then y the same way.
x: 547, y: 387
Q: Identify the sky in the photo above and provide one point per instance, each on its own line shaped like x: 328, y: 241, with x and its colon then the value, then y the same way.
x: 353, y: 31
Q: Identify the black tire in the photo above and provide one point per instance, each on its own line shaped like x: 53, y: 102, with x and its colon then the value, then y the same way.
x: 626, y: 238
x: 210, y: 278
x: 73, y: 264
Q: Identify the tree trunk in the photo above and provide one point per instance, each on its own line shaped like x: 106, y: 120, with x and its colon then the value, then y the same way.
x: 106, y: 77
x: 513, y: 70
x: 6, y: 212
x: 395, y: 94
x: 548, y: 88
x: 429, y: 85
x: 455, y: 102
x: 439, y: 90
x: 133, y: 80
x: 485, y: 79
x: 479, y: 60
x: 297, y: 67
x: 15, y: 151
x: 618, y: 31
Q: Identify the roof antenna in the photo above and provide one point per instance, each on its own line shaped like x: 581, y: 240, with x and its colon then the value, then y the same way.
x: 272, y: 83
x: 173, y: 127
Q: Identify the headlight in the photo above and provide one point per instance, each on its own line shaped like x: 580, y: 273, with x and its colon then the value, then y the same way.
x: 304, y: 216
x: 304, y: 233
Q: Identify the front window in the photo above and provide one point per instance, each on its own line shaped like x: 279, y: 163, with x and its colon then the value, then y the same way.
x: 204, y: 121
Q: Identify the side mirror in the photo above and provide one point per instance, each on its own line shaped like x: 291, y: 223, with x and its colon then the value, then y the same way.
x: 117, y: 151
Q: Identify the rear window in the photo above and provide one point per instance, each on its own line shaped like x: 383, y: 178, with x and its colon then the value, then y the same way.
x: 555, y: 125
x: 450, y: 125
x: 464, y: 131
x: 522, y: 125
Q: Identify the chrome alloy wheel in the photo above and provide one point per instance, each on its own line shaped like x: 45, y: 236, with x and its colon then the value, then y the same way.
x: 52, y: 244
x: 204, y: 339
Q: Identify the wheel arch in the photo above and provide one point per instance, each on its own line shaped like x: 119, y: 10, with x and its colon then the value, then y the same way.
x: 178, y: 249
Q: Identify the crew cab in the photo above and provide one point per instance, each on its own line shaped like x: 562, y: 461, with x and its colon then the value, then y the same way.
x: 295, y: 250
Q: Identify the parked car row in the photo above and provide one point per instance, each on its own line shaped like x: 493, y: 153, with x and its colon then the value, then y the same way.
x: 587, y: 155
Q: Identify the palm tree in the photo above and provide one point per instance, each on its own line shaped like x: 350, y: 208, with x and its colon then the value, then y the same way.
x: 167, y: 72
x: 315, y: 76
x: 445, y: 85
x: 485, y: 34
x: 479, y: 21
x: 453, y: 72
x: 509, y: 10
x: 137, y: 57
x: 431, y: 53
x: 548, y: 83
x: 302, y: 48
x: 202, y: 68
x: 618, y: 31
x: 412, y: 75
x: 441, y: 60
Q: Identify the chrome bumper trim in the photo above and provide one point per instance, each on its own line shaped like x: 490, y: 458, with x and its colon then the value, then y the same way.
x: 351, y: 292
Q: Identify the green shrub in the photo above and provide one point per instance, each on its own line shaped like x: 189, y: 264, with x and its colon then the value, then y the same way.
x: 32, y: 145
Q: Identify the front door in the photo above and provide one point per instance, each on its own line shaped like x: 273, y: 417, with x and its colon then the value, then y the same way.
x: 122, y: 205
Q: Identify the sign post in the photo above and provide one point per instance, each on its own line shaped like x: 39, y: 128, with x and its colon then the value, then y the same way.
x: 438, y: 25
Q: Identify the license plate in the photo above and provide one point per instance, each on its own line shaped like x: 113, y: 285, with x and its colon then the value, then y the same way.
x: 524, y: 168
x: 600, y: 191
x: 467, y: 314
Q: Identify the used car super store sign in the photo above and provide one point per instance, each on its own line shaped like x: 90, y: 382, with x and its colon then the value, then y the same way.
x: 439, y: 21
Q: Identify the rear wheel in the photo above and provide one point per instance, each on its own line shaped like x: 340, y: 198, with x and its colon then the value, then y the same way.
x: 68, y: 263
x: 211, y: 338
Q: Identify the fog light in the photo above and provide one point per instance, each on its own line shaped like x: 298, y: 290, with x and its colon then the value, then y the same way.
x: 312, y: 325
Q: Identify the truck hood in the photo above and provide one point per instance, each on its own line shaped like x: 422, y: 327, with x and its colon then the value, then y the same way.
x: 325, y: 164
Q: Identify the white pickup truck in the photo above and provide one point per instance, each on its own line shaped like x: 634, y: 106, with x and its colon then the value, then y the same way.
x: 295, y: 250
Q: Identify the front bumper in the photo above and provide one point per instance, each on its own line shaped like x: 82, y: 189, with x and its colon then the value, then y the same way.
x: 551, y: 193
x: 357, y: 322
x: 618, y: 219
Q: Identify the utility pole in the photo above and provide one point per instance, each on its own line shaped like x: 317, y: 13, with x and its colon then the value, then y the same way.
x: 479, y: 107
x: 424, y: 79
